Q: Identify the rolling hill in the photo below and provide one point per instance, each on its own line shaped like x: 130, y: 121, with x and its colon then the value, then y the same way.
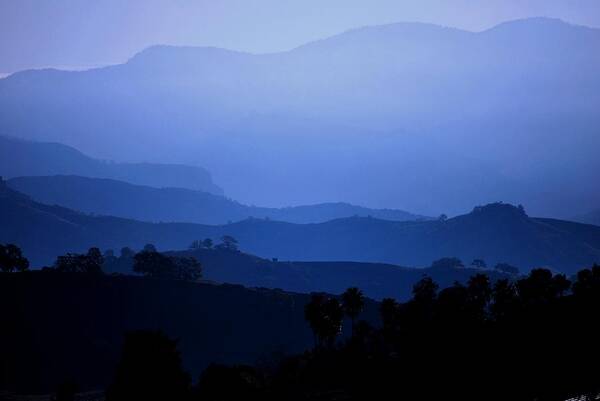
x: 422, y: 117
x: 53, y: 339
x: 27, y: 158
x: 376, y: 280
x: 116, y: 198
x: 496, y: 233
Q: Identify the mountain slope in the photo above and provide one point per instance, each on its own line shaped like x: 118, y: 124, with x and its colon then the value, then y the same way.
x: 120, y: 199
x: 370, y: 115
x: 592, y: 217
x: 376, y: 280
x: 26, y: 158
x: 496, y: 233
x: 52, y: 338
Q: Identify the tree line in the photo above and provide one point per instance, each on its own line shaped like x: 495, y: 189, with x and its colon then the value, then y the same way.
x: 533, y: 338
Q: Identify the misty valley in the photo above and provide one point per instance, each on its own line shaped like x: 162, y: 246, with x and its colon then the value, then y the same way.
x: 400, y: 211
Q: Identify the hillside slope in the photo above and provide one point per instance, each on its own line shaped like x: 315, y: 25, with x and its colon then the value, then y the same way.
x: 376, y: 280
x: 496, y: 233
x: 27, y: 158
x: 120, y: 199
x: 50, y: 339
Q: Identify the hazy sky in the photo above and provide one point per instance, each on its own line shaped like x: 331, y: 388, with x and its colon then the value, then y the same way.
x: 80, y: 33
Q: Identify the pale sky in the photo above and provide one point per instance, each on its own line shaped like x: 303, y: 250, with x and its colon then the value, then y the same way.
x: 75, y: 34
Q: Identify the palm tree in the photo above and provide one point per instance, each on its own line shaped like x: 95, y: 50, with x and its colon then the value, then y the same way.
x: 333, y: 314
x: 388, y: 309
x: 314, y: 316
x: 324, y: 315
x: 353, y: 302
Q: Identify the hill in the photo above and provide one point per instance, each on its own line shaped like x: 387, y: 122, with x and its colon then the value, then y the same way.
x: 53, y: 339
x: 496, y: 233
x: 376, y: 280
x: 403, y: 114
x: 27, y: 158
x: 120, y: 199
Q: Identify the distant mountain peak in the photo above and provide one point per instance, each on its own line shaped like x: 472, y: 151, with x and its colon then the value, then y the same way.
x: 536, y: 24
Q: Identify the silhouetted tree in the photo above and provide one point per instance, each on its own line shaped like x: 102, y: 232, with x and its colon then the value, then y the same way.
x: 150, y: 369
x: 157, y: 265
x: 504, y: 299
x: 228, y: 243
x: 587, y: 285
x: 479, y: 290
x: 333, y: 317
x: 91, y: 262
x: 127, y: 253
x: 12, y: 259
x: 388, y: 309
x: 153, y: 264
x: 324, y: 315
x: 425, y: 290
x: 313, y: 315
x: 207, y: 243
x: 353, y: 302
x: 188, y: 269
x: 541, y: 286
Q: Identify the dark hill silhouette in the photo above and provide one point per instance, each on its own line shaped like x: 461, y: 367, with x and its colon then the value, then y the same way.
x: 53, y: 339
x: 428, y: 111
x: 377, y: 280
x: 120, y: 199
x: 496, y: 233
x: 26, y: 158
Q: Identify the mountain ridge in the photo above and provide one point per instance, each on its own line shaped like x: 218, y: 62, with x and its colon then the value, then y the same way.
x: 298, y: 127
x: 20, y: 157
x: 45, y: 232
x: 102, y: 196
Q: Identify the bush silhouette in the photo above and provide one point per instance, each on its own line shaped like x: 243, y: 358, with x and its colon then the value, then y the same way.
x: 150, y: 369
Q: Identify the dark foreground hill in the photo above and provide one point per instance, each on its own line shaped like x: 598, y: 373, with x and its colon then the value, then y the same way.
x: 60, y: 326
x: 495, y: 233
x: 120, y: 199
x: 26, y: 158
x: 376, y: 280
